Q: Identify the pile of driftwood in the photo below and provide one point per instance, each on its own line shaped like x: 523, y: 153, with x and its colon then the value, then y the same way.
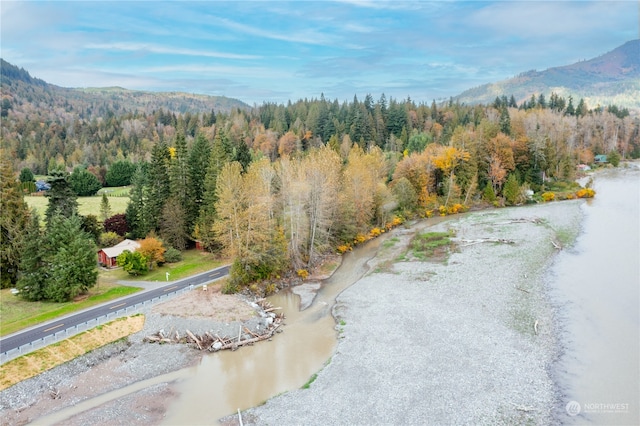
x: 213, y: 342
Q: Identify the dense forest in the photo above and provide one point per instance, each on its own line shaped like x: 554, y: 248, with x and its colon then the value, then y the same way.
x: 278, y: 186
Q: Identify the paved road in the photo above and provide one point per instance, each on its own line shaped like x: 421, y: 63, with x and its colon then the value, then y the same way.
x: 33, y: 334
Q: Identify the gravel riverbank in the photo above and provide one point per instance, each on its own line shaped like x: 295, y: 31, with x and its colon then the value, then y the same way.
x: 469, y: 341
x: 466, y: 341
x: 116, y: 366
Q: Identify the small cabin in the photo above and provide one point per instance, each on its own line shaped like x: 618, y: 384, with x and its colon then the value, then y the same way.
x: 108, y: 256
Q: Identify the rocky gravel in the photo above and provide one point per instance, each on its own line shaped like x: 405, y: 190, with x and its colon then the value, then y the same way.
x: 110, y: 368
x: 469, y: 341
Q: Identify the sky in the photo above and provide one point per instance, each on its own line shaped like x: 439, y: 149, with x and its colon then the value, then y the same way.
x: 275, y: 51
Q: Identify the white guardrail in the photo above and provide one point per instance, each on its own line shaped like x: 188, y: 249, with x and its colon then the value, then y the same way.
x: 71, y: 331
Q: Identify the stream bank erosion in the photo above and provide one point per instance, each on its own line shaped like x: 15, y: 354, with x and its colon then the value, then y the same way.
x: 465, y: 341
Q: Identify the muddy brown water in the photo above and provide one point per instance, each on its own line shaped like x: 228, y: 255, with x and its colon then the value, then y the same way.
x: 226, y: 381
x: 596, y: 287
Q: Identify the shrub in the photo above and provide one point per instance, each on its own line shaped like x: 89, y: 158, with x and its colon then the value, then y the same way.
x: 614, y: 158
x: 585, y: 193
x: 109, y: 239
x: 344, y: 248
x: 135, y: 263
x: 360, y: 238
x: 172, y: 255
x: 303, y: 273
x: 270, y: 289
x: 397, y: 221
x: 375, y: 232
x: 548, y: 196
x: 456, y: 208
x: 229, y: 287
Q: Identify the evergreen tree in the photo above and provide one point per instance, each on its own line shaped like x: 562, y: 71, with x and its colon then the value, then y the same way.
x: 91, y: 226
x: 158, y: 184
x: 26, y: 175
x: 59, y: 265
x: 181, y: 195
x: 72, y: 260
x: 242, y: 154
x: 120, y: 173
x: 489, y: 194
x: 83, y: 183
x: 511, y: 190
x: 173, y: 228
x: 139, y: 209
x: 105, y: 207
x: 581, y: 109
x: 198, y: 162
x: 505, y: 121
x: 542, y: 103
x: 14, y: 221
x: 62, y: 199
x: 570, y: 109
x: 220, y: 155
x: 33, y: 268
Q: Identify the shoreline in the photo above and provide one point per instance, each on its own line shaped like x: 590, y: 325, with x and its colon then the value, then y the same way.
x: 368, y: 353
x: 477, y: 349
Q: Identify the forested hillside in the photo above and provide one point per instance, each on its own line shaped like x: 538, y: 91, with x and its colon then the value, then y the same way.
x: 609, y: 79
x: 278, y: 186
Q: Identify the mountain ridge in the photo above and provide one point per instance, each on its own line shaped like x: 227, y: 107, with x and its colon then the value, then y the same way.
x: 612, y: 78
x: 18, y: 83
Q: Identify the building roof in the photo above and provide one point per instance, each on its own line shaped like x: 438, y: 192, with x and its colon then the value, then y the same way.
x: 117, y: 250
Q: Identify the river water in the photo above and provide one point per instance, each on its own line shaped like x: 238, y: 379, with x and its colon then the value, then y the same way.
x: 595, y: 286
x: 227, y: 381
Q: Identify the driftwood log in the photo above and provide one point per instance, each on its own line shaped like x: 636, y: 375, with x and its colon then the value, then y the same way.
x: 484, y: 240
x: 214, y: 343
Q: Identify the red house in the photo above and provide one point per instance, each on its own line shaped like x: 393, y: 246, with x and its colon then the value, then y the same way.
x: 107, y: 256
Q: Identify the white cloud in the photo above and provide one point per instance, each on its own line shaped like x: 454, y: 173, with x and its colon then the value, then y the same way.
x: 144, y: 47
x: 307, y: 36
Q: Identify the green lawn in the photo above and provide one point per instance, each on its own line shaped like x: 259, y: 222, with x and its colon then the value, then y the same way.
x: 17, y: 313
x: 86, y: 205
x: 115, y: 191
x: 193, y: 261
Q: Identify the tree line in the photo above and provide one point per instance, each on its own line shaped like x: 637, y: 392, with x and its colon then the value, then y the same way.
x: 279, y: 186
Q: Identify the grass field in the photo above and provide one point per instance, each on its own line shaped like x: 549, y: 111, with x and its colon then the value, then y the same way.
x: 116, y: 191
x: 17, y: 313
x: 86, y: 205
x: 193, y: 262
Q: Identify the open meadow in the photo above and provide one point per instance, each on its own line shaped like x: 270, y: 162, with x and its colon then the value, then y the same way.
x: 86, y: 205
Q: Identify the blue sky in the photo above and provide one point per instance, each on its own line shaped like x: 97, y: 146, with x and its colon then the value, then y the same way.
x: 277, y: 51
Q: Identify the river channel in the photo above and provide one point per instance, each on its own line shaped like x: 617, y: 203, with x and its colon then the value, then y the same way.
x: 226, y: 381
x: 595, y: 287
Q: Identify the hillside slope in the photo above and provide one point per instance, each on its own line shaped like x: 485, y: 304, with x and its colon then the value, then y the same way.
x: 19, y: 87
x: 609, y: 79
